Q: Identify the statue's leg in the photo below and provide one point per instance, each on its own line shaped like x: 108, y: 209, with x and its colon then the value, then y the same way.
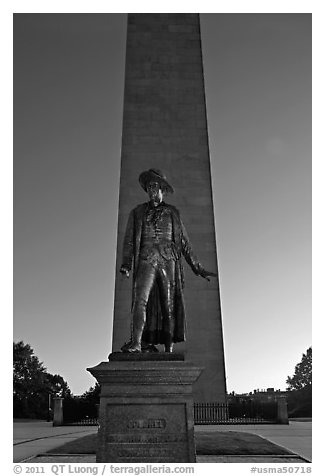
x: 166, y: 284
x: 143, y: 284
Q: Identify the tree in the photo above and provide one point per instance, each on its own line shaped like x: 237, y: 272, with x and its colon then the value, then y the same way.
x: 300, y: 388
x: 81, y: 407
x: 29, y: 377
x: 32, y: 384
x: 92, y: 395
x: 57, y: 386
x: 302, y: 377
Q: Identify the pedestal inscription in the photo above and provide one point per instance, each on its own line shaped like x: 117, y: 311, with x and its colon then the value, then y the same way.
x: 146, y: 432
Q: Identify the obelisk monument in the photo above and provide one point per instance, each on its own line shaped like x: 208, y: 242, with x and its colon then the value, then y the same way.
x: 165, y: 127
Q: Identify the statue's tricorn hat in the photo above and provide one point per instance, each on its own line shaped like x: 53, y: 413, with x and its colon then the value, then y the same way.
x: 155, y: 175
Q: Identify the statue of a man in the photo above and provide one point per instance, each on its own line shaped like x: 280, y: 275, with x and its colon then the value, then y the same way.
x: 155, y: 240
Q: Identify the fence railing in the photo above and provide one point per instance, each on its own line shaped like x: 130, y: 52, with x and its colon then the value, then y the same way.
x: 243, y: 412
x: 210, y: 413
x: 235, y: 413
x: 82, y: 422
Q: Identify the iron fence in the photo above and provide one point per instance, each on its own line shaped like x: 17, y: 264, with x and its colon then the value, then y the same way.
x: 245, y: 412
x: 235, y: 413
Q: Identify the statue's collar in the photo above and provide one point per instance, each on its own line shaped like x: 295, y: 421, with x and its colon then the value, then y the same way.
x: 161, y: 205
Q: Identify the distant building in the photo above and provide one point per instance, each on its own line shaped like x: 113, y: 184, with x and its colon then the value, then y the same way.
x: 268, y: 395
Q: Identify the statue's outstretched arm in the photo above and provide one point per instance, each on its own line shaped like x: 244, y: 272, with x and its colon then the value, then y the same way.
x: 191, y: 257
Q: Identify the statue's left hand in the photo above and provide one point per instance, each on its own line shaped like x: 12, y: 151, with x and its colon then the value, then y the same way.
x: 205, y: 274
x: 124, y: 271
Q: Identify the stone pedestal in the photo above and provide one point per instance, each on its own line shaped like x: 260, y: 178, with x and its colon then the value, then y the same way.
x: 58, y: 411
x: 146, y: 408
x: 282, y: 416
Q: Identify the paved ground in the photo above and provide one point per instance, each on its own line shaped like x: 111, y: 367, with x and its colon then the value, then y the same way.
x: 84, y: 459
x: 33, y: 438
x: 296, y: 437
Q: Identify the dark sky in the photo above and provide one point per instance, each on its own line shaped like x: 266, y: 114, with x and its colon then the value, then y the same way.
x: 68, y: 104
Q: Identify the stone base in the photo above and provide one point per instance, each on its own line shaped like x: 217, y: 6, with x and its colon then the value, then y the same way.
x: 146, y: 409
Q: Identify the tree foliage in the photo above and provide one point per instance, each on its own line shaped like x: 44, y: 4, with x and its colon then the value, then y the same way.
x: 300, y: 388
x: 57, y: 386
x: 32, y: 384
x: 303, y: 373
x: 92, y: 395
x: 29, y: 372
x: 81, y: 407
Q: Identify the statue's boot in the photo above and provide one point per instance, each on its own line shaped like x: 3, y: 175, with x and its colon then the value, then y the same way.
x: 145, y: 347
x: 133, y: 348
x: 130, y: 347
x: 137, y: 330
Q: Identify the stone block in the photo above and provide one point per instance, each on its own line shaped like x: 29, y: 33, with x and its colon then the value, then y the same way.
x: 146, y: 408
x: 58, y: 411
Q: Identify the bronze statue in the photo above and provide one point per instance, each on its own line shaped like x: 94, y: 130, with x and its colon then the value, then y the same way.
x: 154, y: 242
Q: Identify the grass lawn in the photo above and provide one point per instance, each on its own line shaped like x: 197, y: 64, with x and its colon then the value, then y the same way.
x: 207, y: 443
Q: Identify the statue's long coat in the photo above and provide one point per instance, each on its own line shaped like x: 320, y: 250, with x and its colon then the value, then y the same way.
x: 153, y: 332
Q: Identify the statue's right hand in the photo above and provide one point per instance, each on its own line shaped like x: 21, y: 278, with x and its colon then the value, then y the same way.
x: 125, y: 271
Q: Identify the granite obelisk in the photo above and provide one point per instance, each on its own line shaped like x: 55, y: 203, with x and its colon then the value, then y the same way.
x: 165, y: 127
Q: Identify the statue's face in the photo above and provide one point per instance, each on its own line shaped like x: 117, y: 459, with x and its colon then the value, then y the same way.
x: 154, y: 191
